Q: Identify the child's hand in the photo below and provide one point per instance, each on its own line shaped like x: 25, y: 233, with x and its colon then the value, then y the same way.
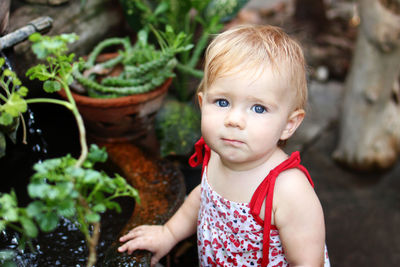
x: 155, y: 238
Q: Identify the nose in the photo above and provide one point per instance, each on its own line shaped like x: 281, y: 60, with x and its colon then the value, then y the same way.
x: 235, y: 118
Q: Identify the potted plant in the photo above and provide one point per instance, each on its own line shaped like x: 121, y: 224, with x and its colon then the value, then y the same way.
x: 119, y: 93
x: 61, y: 187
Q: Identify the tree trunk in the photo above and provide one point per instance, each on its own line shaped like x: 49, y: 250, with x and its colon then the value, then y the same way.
x: 369, y: 136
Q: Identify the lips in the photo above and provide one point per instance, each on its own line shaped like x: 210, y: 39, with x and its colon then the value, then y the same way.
x: 232, y: 142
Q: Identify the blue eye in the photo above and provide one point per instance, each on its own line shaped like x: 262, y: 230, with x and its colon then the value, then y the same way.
x: 222, y: 103
x: 259, y: 109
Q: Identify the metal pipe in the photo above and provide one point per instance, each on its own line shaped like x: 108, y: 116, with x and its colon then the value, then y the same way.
x: 40, y: 24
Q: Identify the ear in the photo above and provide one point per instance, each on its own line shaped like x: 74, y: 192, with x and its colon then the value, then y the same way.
x: 200, y: 98
x: 293, y: 122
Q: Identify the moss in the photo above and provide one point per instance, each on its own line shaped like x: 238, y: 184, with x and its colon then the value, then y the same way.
x: 177, y: 128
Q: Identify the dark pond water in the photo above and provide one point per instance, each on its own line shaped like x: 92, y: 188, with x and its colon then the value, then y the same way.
x: 66, y: 246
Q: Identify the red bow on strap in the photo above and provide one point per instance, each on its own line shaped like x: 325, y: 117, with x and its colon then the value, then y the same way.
x: 199, y: 157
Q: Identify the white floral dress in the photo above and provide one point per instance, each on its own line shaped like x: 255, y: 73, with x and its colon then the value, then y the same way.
x: 231, y: 233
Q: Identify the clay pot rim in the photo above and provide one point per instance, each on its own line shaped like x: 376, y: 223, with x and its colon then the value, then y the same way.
x: 84, y: 100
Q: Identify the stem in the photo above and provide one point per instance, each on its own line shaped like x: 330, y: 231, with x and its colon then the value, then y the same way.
x: 92, y: 243
x: 50, y: 100
x: 96, y: 188
x: 82, y: 138
x: 91, y: 240
x: 16, y: 228
x: 79, y: 121
x: 198, y: 50
x: 23, y: 129
x: 186, y: 69
x: 3, y: 98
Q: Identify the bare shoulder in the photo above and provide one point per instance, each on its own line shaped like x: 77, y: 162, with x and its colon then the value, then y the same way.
x: 294, y: 196
x: 293, y: 182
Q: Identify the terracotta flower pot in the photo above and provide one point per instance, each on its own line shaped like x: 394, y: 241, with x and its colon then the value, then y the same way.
x: 123, y: 118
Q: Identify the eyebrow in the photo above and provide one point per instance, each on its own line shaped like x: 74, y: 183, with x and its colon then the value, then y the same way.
x: 262, y: 102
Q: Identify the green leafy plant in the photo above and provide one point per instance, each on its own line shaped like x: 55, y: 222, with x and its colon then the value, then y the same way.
x: 199, y: 19
x: 65, y: 186
x: 144, y: 66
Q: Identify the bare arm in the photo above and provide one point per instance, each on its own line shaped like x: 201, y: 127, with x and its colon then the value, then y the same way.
x: 160, y: 239
x: 300, y: 220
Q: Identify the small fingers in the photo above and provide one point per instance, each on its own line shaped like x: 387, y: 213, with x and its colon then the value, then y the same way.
x: 130, y: 246
x: 135, y: 232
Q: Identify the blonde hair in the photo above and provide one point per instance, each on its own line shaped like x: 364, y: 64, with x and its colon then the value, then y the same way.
x: 255, y: 46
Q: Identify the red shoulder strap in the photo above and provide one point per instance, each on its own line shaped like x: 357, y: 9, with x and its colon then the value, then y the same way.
x: 266, y: 191
x: 199, y: 157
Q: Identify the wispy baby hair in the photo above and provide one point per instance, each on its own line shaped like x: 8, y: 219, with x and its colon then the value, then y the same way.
x: 253, y: 47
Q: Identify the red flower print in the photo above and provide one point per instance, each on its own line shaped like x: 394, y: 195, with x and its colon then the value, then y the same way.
x: 225, y: 203
x: 222, y: 214
x: 251, y: 248
x: 210, y: 261
x: 234, y: 229
x: 219, y: 226
x: 232, y: 260
x: 216, y: 244
x: 234, y: 241
x: 242, y: 218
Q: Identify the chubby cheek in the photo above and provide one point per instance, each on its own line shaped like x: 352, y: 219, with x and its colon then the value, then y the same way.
x: 210, y: 122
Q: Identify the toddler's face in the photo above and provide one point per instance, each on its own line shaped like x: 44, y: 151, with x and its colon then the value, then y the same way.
x: 244, y: 115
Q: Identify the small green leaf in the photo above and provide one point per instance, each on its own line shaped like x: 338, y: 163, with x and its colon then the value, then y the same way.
x: 99, y: 208
x: 6, y: 118
x: 77, y: 173
x: 142, y: 37
x: 8, y: 73
x: 69, y: 78
x: 92, y: 217
x: 69, y: 37
x: 38, y: 190
x: 113, y: 206
x: 161, y: 8
x: 10, y: 215
x: 35, y: 37
x: 29, y: 227
x: 8, y: 207
x: 51, y: 86
x: 35, y: 208
x: 97, y: 154
x: 91, y: 177
x: 66, y: 208
x: 48, y: 221
x: 38, y: 72
x: 23, y: 91
x: 15, y: 104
